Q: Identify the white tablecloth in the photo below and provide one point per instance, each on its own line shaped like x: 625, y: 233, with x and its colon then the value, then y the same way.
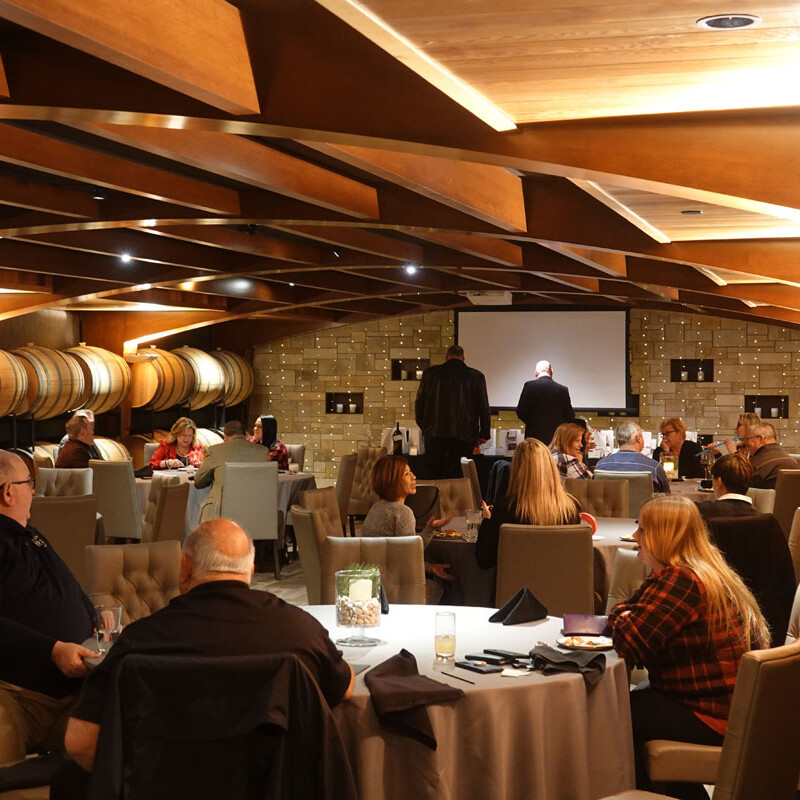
x: 534, y: 737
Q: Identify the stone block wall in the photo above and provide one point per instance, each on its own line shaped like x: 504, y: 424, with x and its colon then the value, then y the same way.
x: 293, y: 375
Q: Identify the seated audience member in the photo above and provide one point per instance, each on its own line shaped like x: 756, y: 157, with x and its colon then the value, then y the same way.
x: 766, y: 455
x: 81, y: 412
x: 234, y: 449
x: 44, y: 615
x: 567, y: 450
x: 731, y: 476
x: 745, y: 421
x: 629, y: 457
x: 689, y: 624
x: 216, y: 615
x: 535, y: 496
x: 266, y: 431
x: 79, y: 447
x: 257, y: 428
x: 675, y: 443
x: 180, y: 448
x: 587, y: 439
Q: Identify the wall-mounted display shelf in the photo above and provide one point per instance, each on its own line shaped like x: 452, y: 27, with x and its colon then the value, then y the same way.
x: 691, y: 370
x: 344, y: 402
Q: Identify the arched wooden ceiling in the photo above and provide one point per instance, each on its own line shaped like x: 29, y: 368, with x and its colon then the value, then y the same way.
x: 173, y: 165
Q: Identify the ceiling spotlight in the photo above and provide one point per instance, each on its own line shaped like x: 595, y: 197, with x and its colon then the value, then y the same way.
x: 336, y: 254
x: 728, y: 22
x: 410, y: 269
x: 125, y: 258
x: 252, y: 230
x: 291, y: 284
x: 691, y: 212
x: 98, y: 194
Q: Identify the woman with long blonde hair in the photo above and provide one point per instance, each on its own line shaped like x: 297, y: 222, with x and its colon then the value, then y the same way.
x: 535, y: 496
x: 689, y: 623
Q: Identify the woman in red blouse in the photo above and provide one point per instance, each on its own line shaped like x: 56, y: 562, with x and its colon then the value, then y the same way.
x: 689, y: 624
x: 180, y: 448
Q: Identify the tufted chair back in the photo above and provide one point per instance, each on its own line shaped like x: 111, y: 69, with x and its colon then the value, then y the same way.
x: 157, y: 485
x: 142, y: 578
x: 327, y: 522
x: 63, y: 482
x: 297, y: 454
x: 628, y: 575
x: 600, y: 498
x: 455, y: 495
x: 149, y: 451
x: 361, y: 496
x: 470, y: 471
x: 399, y: 559
x: 166, y: 508
x: 763, y: 499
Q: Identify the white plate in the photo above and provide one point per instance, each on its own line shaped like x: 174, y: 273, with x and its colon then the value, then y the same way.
x: 586, y: 642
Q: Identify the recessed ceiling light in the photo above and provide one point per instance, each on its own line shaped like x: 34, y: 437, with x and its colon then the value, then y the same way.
x: 291, y: 284
x: 727, y: 22
x: 410, y: 269
x: 98, y: 194
x: 125, y: 258
x: 691, y: 212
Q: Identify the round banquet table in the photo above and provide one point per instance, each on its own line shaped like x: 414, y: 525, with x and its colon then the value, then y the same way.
x: 690, y: 487
x: 538, y: 737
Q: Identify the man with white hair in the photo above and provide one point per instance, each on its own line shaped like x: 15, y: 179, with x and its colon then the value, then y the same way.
x: 766, y: 455
x: 216, y: 614
x: 544, y: 404
x: 629, y: 457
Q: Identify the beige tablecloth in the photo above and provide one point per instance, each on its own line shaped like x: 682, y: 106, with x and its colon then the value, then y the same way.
x: 690, y: 487
x: 534, y: 737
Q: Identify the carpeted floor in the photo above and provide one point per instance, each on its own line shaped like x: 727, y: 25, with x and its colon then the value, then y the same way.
x: 291, y: 587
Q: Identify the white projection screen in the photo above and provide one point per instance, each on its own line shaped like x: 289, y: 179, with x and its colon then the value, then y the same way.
x: 588, y: 351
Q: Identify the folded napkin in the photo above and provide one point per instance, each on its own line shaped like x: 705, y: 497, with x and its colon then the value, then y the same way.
x: 400, y: 694
x: 522, y: 607
x: 550, y: 661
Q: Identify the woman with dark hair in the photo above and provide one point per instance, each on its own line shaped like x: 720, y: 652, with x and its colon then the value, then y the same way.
x: 265, y: 432
x: 689, y: 624
x: 180, y: 448
x: 567, y: 450
x: 731, y: 476
x: 535, y: 496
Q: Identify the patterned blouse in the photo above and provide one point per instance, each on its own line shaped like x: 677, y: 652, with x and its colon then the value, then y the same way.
x: 570, y: 467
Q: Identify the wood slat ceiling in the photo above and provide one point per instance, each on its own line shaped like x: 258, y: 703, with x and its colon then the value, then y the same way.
x: 125, y: 187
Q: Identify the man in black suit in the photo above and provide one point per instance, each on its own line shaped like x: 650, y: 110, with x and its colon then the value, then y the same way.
x: 731, y: 476
x: 544, y: 404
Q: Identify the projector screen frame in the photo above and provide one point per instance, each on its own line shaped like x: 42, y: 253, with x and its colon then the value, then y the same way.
x: 631, y: 408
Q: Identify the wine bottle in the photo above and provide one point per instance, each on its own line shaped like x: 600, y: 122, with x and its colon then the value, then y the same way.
x: 397, y: 441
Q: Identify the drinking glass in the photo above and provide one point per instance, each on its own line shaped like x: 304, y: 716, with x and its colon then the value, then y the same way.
x: 294, y: 468
x: 474, y: 519
x: 358, y: 604
x: 445, y: 636
x: 107, y: 620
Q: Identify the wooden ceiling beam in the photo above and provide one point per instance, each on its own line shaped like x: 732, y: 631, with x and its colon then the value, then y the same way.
x: 774, y: 294
x: 490, y: 249
x: 356, y: 239
x: 50, y: 199
x: 196, y: 47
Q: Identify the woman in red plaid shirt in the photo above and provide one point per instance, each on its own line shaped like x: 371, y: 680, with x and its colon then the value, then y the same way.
x: 689, y: 624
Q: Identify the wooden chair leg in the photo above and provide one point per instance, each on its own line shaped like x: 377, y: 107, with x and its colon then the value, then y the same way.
x: 276, y: 556
x: 352, y: 519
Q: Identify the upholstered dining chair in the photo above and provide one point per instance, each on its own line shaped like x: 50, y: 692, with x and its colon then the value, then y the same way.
x: 297, y: 454
x: 627, y: 575
x: 760, y: 755
x: 117, y: 501
x: 470, y: 471
x: 600, y: 498
x: 455, y: 495
x: 794, y: 545
x: 763, y: 499
x: 149, y: 451
x: 554, y: 561
x: 793, y: 632
x: 640, y: 487
x: 787, y: 498
x: 165, y: 517
x: 328, y: 523
x: 344, y: 484
x: 361, y: 496
x: 69, y: 524
x: 399, y: 559
x: 308, y: 546
x: 141, y: 578
x: 63, y: 482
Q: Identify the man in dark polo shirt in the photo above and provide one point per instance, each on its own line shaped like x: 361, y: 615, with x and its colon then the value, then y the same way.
x: 216, y: 614
x: 44, y: 615
x: 766, y: 455
x: 79, y: 447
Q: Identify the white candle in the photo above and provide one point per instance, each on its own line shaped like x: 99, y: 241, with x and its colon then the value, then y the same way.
x: 361, y: 590
x: 339, y: 408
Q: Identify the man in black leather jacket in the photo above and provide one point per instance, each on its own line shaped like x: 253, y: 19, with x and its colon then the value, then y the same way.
x: 452, y: 409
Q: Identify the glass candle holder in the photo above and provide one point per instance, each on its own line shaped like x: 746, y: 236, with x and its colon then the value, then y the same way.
x: 670, y: 464
x: 358, y: 605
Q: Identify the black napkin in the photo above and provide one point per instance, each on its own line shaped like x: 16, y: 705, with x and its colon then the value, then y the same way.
x: 400, y: 694
x: 549, y: 661
x: 522, y: 607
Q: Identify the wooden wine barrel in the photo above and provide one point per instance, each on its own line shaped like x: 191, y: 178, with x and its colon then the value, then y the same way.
x: 13, y: 383
x: 106, y: 376
x: 111, y: 450
x: 209, y: 377
x: 55, y: 382
x: 239, y: 377
x: 46, y: 450
x: 207, y: 437
x: 161, y: 383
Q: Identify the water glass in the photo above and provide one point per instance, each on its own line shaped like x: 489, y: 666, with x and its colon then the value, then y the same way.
x: 108, y: 621
x: 474, y: 519
x: 445, y: 636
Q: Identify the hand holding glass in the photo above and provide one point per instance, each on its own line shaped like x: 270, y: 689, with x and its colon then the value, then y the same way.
x: 108, y: 621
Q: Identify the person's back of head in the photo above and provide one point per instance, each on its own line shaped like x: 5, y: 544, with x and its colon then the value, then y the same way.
x: 765, y: 430
x: 216, y: 550
x: 748, y: 419
x: 233, y: 428
x: 735, y: 471
x: 543, y: 368
x: 269, y: 429
x: 627, y: 433
x: 454, y: 351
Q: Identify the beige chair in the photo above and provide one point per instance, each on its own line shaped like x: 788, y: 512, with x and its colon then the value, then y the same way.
x: 794, y: 544
x: 250, y: 498
x: 793, y: 632
x: 117, y: 501
x: 344, y: 484
x: 165, y: 517
x: 554, y: 561
x: 297, y: 454
x: 787, y: 498
x: 324, y: 501
x: 455, y: 495
x: 63, y: 482
x: 760, y: 756
x: 763, y: 499
x: 149, y: 451
x: 640, y: 487
x: 308, y: 545
x: 399, y: 559
x: 69, y: 524
x: 470, y: 471
x: 627, y: 576
x: 600, y: 498
x: 142, y: 578
x: 40, y: 462
x: 361, y: 496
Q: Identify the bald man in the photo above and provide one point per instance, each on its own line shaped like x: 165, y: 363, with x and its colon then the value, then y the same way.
x: 544, y: 404
x: 216, y: 614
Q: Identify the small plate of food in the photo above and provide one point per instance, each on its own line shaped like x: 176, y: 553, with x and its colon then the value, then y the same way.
x: 586, y: 642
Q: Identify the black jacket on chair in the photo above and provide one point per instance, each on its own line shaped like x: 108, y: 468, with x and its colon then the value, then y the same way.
x: 452, y: 403
x: 543, y: 406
